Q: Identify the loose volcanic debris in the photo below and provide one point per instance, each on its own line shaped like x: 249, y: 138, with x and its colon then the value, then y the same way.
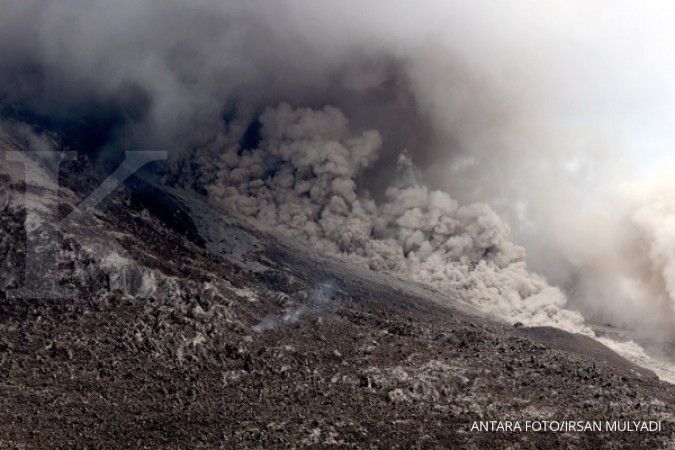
x: 160, y: 350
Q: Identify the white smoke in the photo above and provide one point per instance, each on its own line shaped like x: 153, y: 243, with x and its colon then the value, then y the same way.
x: 318, y: 300
x: 628, y: 260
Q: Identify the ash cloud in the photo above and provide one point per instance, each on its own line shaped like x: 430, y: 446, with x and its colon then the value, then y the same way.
x: 301, y: 180
x: 171, y: 74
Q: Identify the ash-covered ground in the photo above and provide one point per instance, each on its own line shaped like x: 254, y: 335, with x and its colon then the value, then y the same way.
x: 192, y: 329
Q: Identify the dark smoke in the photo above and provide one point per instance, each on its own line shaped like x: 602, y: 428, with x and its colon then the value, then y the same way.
x: 170, y: 74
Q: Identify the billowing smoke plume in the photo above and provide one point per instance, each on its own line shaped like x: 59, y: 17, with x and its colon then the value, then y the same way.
x: 301, y: 179
x: 628, y: 258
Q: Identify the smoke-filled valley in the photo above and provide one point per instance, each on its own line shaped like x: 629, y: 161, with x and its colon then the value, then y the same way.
x: 302, y: 180
x: 477, y: 110
x: 510, y: 157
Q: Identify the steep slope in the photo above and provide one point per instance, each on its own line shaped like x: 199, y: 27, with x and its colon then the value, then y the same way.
x: 194, y: 329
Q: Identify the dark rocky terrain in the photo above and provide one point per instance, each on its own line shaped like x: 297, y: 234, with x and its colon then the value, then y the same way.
x: 194, y: 330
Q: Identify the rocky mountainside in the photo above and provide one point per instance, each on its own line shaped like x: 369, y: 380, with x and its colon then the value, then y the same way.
x: 192, y: 329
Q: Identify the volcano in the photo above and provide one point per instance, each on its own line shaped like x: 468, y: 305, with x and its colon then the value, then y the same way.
x: 192, y: 328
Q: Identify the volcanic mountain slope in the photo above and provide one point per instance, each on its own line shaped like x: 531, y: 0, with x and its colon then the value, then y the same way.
x: 194, y: 330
